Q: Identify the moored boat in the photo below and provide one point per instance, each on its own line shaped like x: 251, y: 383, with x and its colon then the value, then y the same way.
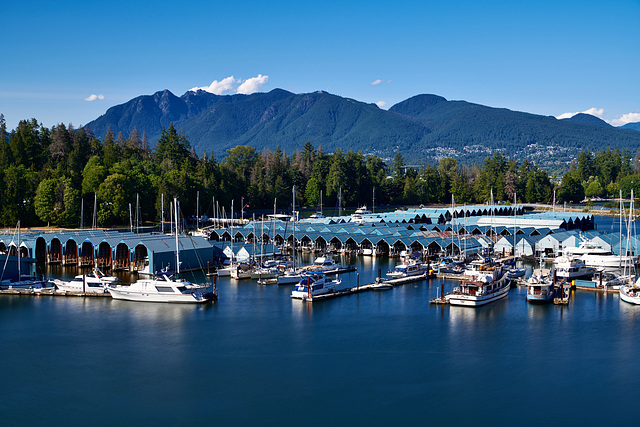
x: 314, y: 284
x: 161, y: 289
x: 572, y: 268
x: 95, y: 282
x: 540, y: 289
x: 483, y: 288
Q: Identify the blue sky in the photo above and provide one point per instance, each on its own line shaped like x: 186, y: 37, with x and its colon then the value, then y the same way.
x: 542, y: 57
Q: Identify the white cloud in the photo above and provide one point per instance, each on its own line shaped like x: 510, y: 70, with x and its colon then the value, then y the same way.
x: 626, y: 118
x: 219, y: 87
x: 376, y: 82
x: 230, y: 85
x: 381, y: 104
x: 252, y: 85
x: 598, y: 112
x: 93, y: 97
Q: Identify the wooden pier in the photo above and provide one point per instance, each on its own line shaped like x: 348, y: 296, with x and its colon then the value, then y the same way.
x: 50, y: 292
x: 368, y: 287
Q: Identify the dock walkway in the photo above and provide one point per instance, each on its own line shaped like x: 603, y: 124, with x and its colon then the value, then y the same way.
x: 368, y: 287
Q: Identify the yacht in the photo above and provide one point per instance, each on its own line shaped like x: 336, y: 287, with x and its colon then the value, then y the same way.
x: 314, y: 284
x: 483, y: 288
x: 324, y: 264
x: 95, y: 282
x: 593, y: 254
x: 572, y: 268
x: 357, y: 215
x: 163, y: 288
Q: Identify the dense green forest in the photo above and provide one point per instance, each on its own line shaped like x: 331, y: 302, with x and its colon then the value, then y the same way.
x: 47, y: 176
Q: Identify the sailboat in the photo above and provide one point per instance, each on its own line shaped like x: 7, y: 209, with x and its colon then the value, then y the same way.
x: 631, y: 291
x: 292, y: 276
x: 23, y: 282
x: 163, y: 288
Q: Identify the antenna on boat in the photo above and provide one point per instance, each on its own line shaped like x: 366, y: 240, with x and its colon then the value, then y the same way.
x: 95, y: 204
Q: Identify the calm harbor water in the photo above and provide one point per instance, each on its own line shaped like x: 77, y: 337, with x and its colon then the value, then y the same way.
x: 378, y: 358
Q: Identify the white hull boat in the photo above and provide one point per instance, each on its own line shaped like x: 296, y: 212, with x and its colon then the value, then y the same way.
x: 161, y: 289
x: 482, y: 289
x: 314, y: 284
x: 95, y: 282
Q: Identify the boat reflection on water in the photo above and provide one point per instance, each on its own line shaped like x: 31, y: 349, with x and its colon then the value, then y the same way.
x: 170, y: 316
x: 477, y: 317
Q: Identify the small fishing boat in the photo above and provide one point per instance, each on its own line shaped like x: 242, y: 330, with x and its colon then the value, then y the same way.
x: 381, y: 285
x: 540, y: 289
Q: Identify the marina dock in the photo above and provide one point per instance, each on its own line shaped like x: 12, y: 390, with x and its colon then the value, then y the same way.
x: 368, y: 287
x: 51, y: 292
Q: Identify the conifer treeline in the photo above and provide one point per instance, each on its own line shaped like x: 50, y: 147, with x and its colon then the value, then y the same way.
x: 46, y: 174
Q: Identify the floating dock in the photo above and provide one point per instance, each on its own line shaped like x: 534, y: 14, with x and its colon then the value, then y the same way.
x: 368, y: 287
x: 50, y: 292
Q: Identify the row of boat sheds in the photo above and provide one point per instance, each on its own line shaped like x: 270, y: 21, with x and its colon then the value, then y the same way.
x: 146, y: 253
x: 431, y: 232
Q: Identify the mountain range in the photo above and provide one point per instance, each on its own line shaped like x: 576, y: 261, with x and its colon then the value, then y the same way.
x: 423, y: 128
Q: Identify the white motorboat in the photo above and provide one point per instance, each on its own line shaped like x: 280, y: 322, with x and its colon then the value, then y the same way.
x: 410, y: 267
x: 483, y: 288
x: 593, y: 254
x: 290, y: 277
x: 572, y: 268
x: 240, y: 271
x: 160, y: 289
x: 314, y: 284
x: 324, y: 264
x: 163, y: 288
x: 357, y: 216
x: 264, y: 273
x: 95, y: 282
x: 381, y: 285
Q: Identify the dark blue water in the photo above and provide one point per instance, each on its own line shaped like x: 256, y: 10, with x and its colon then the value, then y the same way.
x: 259, y: 358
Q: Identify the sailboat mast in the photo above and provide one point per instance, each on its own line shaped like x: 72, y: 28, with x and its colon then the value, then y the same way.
x: 373, y: 207
x: 294, y: 228
x: 162, y: 207
x: 19, y: 258
x: 175, y: 203
x: 95, y: 205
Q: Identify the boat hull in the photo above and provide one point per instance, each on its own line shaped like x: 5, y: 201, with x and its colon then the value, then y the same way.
x: 127, y: 295
x: 477, y: 301
x: 630, y: 295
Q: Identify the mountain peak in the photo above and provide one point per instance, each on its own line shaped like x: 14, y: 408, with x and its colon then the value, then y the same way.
x: 587, y: 118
